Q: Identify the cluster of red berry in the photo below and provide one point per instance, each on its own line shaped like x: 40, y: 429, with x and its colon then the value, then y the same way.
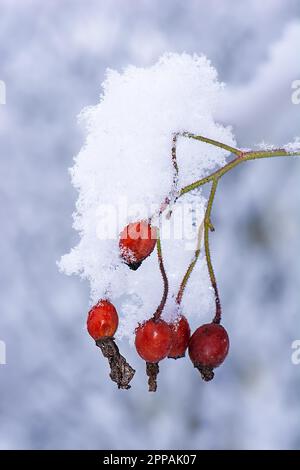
x: 155, y: 339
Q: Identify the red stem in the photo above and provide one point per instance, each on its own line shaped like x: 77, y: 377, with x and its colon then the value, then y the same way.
x: 162, y: 304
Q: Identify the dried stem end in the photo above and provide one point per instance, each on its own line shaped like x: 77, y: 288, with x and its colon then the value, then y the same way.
x: 152, y: 370
x: 134, y: 265
x: 121, y: 372
x: 207, y: 373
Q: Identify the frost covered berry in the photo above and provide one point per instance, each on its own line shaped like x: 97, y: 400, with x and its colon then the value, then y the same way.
x: 102, y: 320
x: 153, y: 340
x: 180, y: 337
x: 137, y: 241
x: 208, y: 348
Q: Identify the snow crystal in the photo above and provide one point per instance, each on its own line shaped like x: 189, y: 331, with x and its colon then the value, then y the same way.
x: 293, y: 146
x: 290, y: 147
x: 265, y: 146
x: 124, y: 171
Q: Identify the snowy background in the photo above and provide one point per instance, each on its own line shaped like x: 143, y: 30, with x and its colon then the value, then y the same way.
x: 54, y: 390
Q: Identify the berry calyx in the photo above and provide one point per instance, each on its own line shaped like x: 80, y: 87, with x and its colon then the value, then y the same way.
x: 208, y: 348
x: 180, y: 337
x: 153, y: 340
x: 103, y: 320
x: 137, y: 241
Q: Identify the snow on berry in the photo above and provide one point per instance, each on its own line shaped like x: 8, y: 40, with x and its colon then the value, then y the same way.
x: 124, y: 172
x: 137, y: 241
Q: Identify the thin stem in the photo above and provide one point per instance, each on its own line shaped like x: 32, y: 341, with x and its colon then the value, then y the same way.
x: 173, y: 191
x: 243, y: 157
x: 214, y: 178
x: 174, y: 157
x: 162, y: 304
x: 207, y: 228
x: 191, y: 265
x: 230, y: 149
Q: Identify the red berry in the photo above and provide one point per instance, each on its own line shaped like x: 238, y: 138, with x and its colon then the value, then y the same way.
x: 208, y: 348
x: 137, y: 241
x: 180, y: 337
x: 153, y: 340
x: 102, y: 320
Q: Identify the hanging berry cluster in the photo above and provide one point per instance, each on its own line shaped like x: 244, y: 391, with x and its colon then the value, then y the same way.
x: 155, y: 339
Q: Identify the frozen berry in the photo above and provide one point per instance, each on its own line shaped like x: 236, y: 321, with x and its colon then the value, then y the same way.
x: 208, y: 348
x: 137, y: 241
x: 102, y: 320
x: 153, y: 340
x: 180, y: 337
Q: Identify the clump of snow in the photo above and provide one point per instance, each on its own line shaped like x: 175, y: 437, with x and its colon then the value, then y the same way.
x: 293, y: 146
x: 124, y: 171
x: 265, y: 146
x: 290, y: 147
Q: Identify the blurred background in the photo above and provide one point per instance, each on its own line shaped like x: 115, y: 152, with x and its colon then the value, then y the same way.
x: 54, y: 390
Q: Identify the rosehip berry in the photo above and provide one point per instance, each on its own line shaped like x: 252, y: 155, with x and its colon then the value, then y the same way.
x: 180, y: 337
x: 153, y: 340
x: 102, y: 320
x: 137, y: 241
x: 208, y: 348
